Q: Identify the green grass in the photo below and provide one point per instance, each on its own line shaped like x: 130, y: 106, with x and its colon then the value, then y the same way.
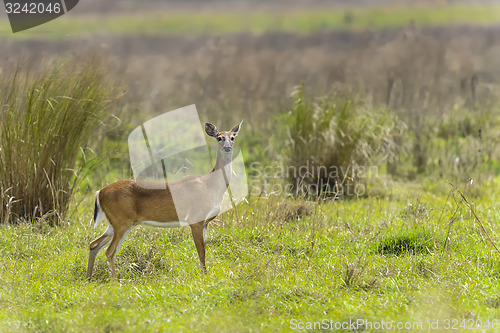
x: 257, y: 22
x: 407, y: 243
x: 265, y: 269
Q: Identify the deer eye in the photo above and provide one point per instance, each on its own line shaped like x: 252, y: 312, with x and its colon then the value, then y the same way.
x: 220, y: 138
x: 232, y: 138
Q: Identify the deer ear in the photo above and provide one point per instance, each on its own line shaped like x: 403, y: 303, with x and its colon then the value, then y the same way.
x: 236, y: 128
x: 211, y: 130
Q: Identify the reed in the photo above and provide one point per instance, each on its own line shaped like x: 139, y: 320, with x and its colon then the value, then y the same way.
x: 46, y: 120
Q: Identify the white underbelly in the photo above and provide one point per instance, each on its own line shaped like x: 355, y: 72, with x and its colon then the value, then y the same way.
x: 173, y: 224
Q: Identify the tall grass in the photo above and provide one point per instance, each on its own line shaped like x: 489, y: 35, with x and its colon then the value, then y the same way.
x: 334, y: 142
x: 456, y: 146
x: 46, y: 119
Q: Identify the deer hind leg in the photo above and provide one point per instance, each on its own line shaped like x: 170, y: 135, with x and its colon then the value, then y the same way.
x: 197, y: 230
x: 118, y: 238
x: 96, y: 246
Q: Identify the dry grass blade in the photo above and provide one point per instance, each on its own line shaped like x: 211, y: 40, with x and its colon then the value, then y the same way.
x: 483, y: 229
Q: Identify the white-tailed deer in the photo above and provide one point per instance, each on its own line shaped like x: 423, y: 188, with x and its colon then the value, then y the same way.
x: 192, y: 201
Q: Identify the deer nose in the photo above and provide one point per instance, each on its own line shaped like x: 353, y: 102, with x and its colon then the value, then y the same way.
x: 227, y: 149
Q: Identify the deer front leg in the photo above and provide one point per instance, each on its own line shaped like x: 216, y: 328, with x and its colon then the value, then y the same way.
x: 197, y: 231
x: 205, y: 227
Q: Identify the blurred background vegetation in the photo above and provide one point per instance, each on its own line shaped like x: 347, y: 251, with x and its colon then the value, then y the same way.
x: 410, y: 87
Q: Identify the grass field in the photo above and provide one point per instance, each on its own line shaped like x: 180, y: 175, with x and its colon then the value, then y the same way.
x: 408, y: 252
x: 223, y: 22
x: 376, y: 259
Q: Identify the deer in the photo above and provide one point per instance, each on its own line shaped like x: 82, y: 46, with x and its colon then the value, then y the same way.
x: 192, y: 201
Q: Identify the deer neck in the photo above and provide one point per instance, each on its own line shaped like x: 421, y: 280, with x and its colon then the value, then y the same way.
x: 223, y: 164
